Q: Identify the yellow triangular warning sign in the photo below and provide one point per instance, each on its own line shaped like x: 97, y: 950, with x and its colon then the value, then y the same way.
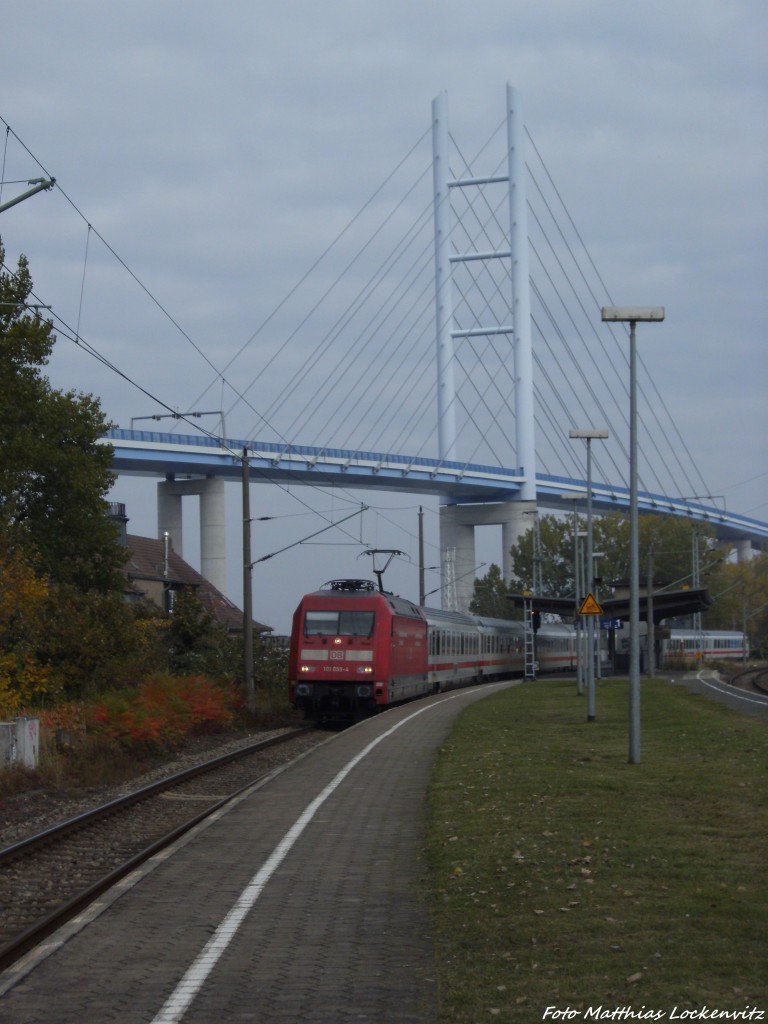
x: 589, y: 606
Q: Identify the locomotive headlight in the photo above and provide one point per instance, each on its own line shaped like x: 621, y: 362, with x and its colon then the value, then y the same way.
x: 305, y: 668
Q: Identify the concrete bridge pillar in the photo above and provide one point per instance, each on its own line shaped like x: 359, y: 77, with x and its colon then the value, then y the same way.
x: 213, y: 547
x: 457, y: 544
x: 743, y: 550
x: 169, y: 518
x: 457, y: 557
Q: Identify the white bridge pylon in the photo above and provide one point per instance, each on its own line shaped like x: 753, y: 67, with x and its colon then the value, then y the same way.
x: 458, y: 518
x: 458, y: 522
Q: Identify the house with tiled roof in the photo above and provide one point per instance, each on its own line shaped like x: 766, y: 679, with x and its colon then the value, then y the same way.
x: 154, y: 572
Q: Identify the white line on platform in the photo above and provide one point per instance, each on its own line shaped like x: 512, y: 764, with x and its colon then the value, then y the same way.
x: 730, y: 691
x: 180, y: 1000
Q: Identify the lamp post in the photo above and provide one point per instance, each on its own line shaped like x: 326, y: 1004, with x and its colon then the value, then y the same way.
x: 581, y: 620
x: 633, y: 315
x: 576, y: 498
x: 589, y: 436
x: 596, y: 580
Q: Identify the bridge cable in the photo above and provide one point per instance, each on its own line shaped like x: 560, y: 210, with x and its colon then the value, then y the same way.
x: 607, y: 293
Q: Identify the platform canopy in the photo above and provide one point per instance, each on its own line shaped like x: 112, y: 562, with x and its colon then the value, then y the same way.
x: 666, y: 605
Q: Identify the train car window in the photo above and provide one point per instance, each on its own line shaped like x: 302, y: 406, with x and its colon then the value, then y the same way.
x: 338, y: 623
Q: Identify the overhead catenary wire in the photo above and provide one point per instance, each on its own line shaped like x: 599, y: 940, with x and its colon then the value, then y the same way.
x: 155, y: 301
x: 85, y: 346
x: 379, y: 355
x: 74, y: 336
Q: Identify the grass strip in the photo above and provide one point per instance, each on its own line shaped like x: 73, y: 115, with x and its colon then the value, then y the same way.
x: 562, y: 876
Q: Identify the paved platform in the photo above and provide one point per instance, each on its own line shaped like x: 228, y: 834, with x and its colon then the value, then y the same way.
x: 330, y: 927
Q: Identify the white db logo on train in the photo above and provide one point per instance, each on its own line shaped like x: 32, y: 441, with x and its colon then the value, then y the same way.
x: 337, y: 655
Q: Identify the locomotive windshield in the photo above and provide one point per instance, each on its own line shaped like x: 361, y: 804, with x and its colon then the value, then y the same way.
x: 338, y: 623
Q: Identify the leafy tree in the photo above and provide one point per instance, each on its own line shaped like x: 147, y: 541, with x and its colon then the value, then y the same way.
x: 197, y: 643
x: 490, y: 596
x: 741, y: 602
x: 556, y: 549
x: 54, y: 476
x: 94, y: 642
x: 23, y: 595
x: 667, y: 540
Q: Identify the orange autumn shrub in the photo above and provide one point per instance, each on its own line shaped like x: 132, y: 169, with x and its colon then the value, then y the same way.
x: 162, y: 712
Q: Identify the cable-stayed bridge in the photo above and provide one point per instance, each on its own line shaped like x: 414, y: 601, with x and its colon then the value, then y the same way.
x: 199, y: 465
x: 474, y: 346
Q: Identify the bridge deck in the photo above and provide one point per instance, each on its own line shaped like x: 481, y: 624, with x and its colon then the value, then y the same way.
x: 153, y: 453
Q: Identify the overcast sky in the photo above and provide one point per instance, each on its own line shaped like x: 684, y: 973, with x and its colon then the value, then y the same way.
x: 219, y: 150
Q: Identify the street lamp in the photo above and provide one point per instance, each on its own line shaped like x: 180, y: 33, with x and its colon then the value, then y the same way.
x: 633, y: 315
x: 589, y: 436
x: 598, y: 632
x: 576, y: 497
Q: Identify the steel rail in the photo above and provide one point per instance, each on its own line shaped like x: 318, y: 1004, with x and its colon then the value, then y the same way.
x: 45, y: 926
x: 104, y: 810
x: 756, y: 677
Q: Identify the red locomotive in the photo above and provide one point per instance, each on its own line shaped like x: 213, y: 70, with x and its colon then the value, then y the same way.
x: 356, y: 650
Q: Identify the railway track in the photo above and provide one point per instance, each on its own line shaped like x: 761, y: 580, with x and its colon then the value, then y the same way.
x: 48, y: 878
x: 755, y: 679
